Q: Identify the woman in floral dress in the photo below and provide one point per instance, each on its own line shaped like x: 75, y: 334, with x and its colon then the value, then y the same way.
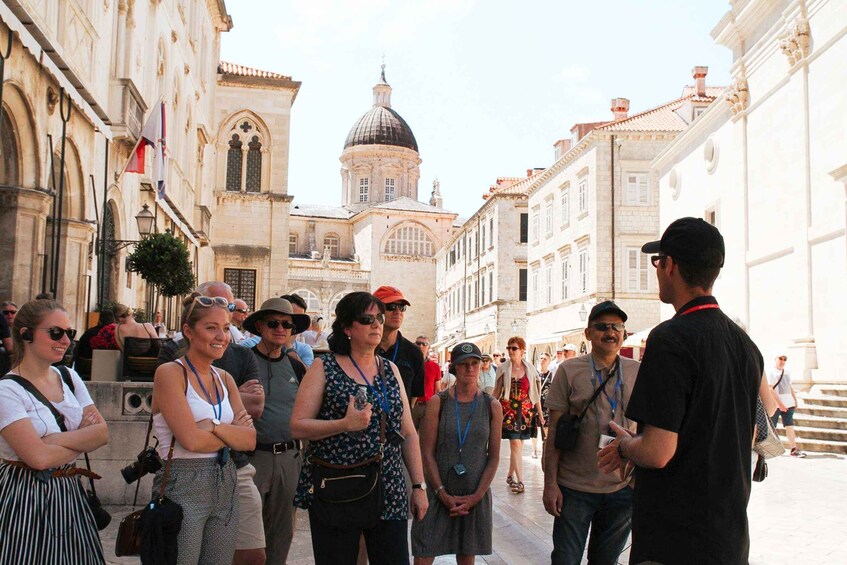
x: 517, y: 388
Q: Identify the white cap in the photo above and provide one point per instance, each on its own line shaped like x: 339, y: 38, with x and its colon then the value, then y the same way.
x: 570, y: 347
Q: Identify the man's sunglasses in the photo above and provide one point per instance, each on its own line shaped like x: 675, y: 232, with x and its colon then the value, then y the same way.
x: 56, y: 333
x: 9, y: 312
x: 242, y: 310
x: 656, y: 259
x: 513, y: 348
x: 369, y: 319
x: 274, y: 324
x: 603, y: 327
x: 421, y: 344
x: 395, y: 306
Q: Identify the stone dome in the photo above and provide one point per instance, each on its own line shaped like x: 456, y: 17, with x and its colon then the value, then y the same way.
x: 381, y: 126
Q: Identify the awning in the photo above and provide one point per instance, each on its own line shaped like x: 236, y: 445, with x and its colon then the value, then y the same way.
x: 31, y: 44
x: 637, y: 338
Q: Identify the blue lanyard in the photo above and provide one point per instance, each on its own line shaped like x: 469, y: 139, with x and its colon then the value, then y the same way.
x: 219, y: 411
x: 396, y: 348
x: 381, y: 398
x: 464, y: 437
x: 597, y: 377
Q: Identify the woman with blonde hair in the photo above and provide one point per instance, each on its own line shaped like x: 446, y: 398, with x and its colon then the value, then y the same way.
x: 128, y: 327
x: 517, y: 388
x: 198, y: 417
x: 44, y: 513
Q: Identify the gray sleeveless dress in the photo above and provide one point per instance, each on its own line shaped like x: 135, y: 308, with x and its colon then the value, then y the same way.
x: 438, y: 533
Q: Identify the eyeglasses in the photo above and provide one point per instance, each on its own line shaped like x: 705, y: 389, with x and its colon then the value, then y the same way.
x: 656, y: 259
x: 395, y: 306
x: 421, y: 344
x: 368, y: 319
x: 9, y: 312
x: 603, y: 327
x: 56, y: 332
x: 513, y: 348
x: 274, y: 324
x: 208, y: 302
x: 242, y: 310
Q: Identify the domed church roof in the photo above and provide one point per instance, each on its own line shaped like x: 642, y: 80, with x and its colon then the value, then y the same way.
x: 381, y: 125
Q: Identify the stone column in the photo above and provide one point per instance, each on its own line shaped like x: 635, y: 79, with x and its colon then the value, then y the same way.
x: 23, y: 215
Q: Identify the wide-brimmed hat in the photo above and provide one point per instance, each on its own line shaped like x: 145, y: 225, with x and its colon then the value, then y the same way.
x: 277, y: 306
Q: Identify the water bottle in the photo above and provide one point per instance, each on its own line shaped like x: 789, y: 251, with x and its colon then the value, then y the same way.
x: 360, y: 400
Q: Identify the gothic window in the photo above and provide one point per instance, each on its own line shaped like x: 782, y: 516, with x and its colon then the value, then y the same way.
x: 364, y: 189
x: 233, y: 164
x: 243, y: 283
x: 253, y: 182
x: 332, y: 241
x: 409, y: 240
x: 9, y: 157
x: 390, y: 193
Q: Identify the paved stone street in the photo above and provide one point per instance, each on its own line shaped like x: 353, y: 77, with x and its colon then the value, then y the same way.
x: 794, y: 516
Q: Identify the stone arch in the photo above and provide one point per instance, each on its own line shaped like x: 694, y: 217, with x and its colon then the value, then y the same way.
x: 312, y: 298
x: 73, y: 202
x: 409, y: 238
x: 22, y: 122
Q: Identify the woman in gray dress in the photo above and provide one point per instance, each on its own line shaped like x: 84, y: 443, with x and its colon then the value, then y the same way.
x: 460, y: 445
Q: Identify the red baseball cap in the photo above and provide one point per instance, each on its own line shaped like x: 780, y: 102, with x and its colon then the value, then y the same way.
x: 390, y: 294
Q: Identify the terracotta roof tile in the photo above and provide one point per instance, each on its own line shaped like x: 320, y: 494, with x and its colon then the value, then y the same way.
x: 664, y: 117
x: 242, y: 71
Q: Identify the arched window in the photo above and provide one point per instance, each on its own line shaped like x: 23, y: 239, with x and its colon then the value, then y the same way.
x: 332, y: 241
x: 334, y: 303
x: 9, y: 159
x: 233, y: 164
x: 409, y: 240
x: 253, y: 182
x: 313, y: 304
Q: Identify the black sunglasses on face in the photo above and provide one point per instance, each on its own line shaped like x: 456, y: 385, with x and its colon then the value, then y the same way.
x: 656, y: 259
x: 602, y: 327
x: 513, y: 348
x: 242, y: 310
x: 393, y: 307
x: 368, y: 319
x: 421, y: 344
x: 9, y: 312
x: 274, y: 324
x: 56, y: 332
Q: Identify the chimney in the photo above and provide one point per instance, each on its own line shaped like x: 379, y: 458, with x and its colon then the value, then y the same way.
x: 620, y: 106
x: 699, y: 74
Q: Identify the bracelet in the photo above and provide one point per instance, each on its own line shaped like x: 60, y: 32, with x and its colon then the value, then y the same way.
x: 439, y: 489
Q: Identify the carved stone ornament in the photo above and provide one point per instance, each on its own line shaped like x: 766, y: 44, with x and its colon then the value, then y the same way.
x: 738, y: 96
x: 794, y: 41
x: 52, y: 100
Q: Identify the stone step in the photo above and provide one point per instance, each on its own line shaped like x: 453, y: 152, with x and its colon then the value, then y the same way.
x: 810, y: 421
x: 822, y: 411
x: 823, y: 434
x: 830, y: 390
x: 820, y: 446
x: 824, y: 400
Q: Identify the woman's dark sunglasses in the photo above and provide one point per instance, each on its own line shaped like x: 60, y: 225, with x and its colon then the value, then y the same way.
x: 274, y: 324
x: 9, y: 312
x: 513, y: 348
x: 368, y: 319
x: 56, y: 333
x: 395, y: 306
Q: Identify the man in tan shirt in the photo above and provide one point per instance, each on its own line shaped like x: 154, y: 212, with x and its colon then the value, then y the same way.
x: 576, y: 492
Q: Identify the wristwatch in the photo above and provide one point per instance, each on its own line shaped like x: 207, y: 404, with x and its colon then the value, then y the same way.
x: 421, y: 486
x: 215, y: 424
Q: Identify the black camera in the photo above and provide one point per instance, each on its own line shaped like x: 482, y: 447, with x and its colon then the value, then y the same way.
x: 148, y: 461
x: 101, y: 517
x: 394, y: 437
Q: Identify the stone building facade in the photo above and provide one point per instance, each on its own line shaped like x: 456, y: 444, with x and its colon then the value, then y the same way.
x: 768, y: 166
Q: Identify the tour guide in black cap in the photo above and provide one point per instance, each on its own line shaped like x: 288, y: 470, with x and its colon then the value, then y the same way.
x: 695, y: 402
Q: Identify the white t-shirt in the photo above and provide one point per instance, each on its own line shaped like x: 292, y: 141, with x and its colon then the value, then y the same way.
x: 784, y: 388
x: 16, y: 404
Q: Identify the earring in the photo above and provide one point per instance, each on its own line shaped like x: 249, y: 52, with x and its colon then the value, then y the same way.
x: 348, y: 337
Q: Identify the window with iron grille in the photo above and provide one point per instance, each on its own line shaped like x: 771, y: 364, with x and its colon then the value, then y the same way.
x: 253, y: 180
x: 233, y: 164
x: 243, y: 283
x: 409, y: 240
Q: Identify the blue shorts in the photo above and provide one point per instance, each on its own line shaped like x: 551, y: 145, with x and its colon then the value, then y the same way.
x: 787, y: 417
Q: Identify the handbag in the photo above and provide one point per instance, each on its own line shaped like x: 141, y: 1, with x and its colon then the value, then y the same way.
x: 128, y: 541
x: 101, y: 517
x: 760, y: 473
x: 567, y: 426
x: 767, y: 443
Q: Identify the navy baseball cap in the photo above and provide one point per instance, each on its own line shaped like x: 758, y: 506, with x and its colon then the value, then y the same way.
x: 464, y: 351
x: 687, y: 240
x: 606, y: 307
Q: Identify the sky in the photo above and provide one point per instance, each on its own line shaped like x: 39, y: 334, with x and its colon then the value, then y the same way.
x: 487, y: 86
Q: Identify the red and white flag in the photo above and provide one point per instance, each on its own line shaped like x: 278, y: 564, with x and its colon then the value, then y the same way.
x: 152, y: 137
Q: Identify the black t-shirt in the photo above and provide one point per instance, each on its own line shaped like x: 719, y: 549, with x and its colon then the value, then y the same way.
x: 410, y: 362
x: 5, y: 331
x: 699, y: 377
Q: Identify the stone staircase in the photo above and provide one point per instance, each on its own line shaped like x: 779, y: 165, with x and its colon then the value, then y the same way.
x: 821, y: 419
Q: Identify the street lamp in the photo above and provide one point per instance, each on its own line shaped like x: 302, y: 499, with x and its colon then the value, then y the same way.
x: 145, y: 220
x: 583, y: 313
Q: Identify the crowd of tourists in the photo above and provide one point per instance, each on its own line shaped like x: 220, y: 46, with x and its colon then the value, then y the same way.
x: 257, y: 415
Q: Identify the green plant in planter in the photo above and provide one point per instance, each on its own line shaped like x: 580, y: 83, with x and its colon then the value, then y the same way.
x: 163, y: 261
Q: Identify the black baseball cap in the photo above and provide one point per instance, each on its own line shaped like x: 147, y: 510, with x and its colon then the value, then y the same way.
x: 606, y: 307
x: 464, y: 351
x: 686, y: 240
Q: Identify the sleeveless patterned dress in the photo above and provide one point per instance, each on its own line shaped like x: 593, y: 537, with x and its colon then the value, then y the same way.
x: 349, y: 448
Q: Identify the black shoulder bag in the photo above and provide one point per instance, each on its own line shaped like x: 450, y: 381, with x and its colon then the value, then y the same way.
x: 101, y: 517
x: 350, y: 496
x: 567, y: 426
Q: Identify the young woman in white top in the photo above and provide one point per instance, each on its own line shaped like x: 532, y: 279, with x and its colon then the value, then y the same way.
x: 44, y: 514
x: 199, y: 405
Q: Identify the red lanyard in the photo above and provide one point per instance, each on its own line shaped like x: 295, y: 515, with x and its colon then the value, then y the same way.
x: 696, y: 308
